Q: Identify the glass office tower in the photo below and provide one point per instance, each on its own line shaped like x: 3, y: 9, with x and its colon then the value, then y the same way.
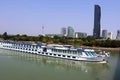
x: 104, y: 34
x: 97, y: 17
x: 70, y: 32
x: 118, y: 35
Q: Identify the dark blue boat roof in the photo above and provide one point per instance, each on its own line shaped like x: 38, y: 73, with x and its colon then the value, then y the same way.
x: 23, y: 43
x: 45, y: 45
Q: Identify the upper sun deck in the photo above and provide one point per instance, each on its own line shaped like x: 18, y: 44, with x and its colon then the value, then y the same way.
x: 53, y: 47
x: 65, y: 49
x: 22, y: 44
x: 61, y: 49
x: 57, y: 46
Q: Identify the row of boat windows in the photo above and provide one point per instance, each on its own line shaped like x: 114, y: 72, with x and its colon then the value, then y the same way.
x: 66, y: 51
x: 53, y: 50
x: 56, y: 55
x: 20, y: 45
x: 21, y: 48
x: 59, y: 55
x: 89, y: 53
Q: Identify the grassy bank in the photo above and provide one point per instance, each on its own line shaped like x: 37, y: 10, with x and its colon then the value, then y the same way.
x: 76, y: 42
x: 102, y: 48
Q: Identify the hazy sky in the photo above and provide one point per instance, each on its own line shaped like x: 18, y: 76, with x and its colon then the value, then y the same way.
x: 28, y: 16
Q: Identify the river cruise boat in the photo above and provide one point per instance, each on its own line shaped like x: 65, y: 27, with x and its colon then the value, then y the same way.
x: 58, y: 51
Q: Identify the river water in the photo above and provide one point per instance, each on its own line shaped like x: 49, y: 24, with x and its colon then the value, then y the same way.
x: 22, y: 66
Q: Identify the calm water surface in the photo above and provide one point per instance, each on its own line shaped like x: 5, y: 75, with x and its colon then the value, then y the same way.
x: 22, y: 66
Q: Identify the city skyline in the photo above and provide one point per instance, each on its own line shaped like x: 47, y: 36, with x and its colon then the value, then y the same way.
x: 28, y: 17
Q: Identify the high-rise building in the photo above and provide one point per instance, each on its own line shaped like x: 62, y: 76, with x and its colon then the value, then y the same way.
x: 101, y: 32
x: 70, y: 32
x: 80, y: 35
x: 97, y: 17
x: 118, y: 35
x: 63, y: 31
x: 110, y: 35
x: 104, y: 34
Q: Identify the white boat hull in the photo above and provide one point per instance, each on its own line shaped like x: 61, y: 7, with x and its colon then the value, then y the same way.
x: 39, y: 51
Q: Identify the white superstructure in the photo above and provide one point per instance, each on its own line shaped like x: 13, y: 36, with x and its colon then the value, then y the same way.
x: 58, y: 51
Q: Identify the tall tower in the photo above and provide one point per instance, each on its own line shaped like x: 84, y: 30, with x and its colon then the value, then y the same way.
x: 97, y: 18
x: 104, y: 34
x: 118, y: 35
x: 43, y: 31
x: 110, y: 35
x: 63, y: 31
x: 70, y: 32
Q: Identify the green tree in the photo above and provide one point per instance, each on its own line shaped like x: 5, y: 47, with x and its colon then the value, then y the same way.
x: 5, y: 36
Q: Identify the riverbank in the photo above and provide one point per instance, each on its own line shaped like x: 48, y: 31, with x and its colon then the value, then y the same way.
x: 101, y: 48
x: 89, y: 47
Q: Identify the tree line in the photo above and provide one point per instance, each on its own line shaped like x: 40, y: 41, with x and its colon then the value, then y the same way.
x: 63, y: 40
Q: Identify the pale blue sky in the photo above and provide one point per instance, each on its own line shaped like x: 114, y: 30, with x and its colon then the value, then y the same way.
x: 28, y: 16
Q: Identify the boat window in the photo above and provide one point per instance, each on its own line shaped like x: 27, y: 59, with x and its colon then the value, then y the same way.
x: 79, y: 53
x: 68, y: 56
x: 90, y: 53
x: 50, y: 53
x: 63, y: 51
x: 86, y: 53
x: 54, y: 54
x: 53, y: 50
x: 58, y: 50
x: 74, y: 52
x: 93, y: 53
x: 59, y: 55
x: 68, y: 51
x: 42, y: 52
x: 63, y: 55
x: 36, y: 46
x: 73, y: 57
x: 45, y: 49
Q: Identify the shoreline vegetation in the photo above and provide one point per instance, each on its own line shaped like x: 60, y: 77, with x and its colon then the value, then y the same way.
x: 102, y: 48
x: 90, y: 43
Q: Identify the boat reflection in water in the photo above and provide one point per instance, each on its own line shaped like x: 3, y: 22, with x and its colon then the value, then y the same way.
x: 57, y: 63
